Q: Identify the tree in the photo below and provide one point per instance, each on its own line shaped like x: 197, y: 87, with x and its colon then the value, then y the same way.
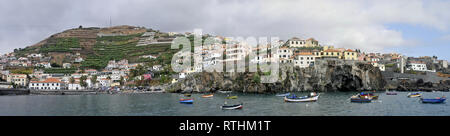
x: 72, y: 80
x: 83, y: 81
x: 94, y: 79
x: 55, y: 65
x: 121, y: 80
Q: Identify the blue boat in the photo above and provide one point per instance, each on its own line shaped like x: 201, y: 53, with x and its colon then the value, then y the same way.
x: 435, y: 100
x: 187, y: 101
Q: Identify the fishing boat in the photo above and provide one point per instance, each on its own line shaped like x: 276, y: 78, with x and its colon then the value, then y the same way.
x: 232, y: 107
x: 391, y: 93
x: 310, y: 98
x: 283, y: 95
x: 371, y: 95
x: 412, y: 95
x: 225, y: 91
x: 360, y: 99
x: 231, y: 97
x: 187, y: 101
x: 207, y: 96
x: 435, y: 100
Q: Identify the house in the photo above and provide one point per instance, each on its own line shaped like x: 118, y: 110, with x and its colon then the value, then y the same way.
x: 66, y: 65
x: 350, y: 55
x: 91, y: 71
x: 417, y: 66
x: 104, y: 82
x: 47, y: 84
x: 284, y: 53
x: 75, y: 86
x: 297, y: 42
x: 18, y: 79
x: 78, y: 60
x: 34, y: 55
x: 304, y: 59
x: 330, y: 53
x: 157, y: 67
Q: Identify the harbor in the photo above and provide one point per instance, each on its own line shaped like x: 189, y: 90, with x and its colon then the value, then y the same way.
x: 246, y: 104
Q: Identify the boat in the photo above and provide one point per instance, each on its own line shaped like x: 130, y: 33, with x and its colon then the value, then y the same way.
x: 225, y: 91
x: 435, y: 100
x: 187, y: 101
x: 412, y: 95
x: 283, y: 95
x: 310, y: 98
x: 232, y: 107
x: 187, y: 95
x: 231, y: 97
x: 391, y: 93
x: 207, y: 96
x: 371, y: 95
x: 360, y: 99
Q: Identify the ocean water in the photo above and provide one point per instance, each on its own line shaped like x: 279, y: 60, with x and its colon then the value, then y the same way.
x: 166, y: 104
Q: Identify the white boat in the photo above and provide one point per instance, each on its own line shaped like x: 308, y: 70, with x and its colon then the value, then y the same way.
x: 225, y: 91
x: 232, y: 107
x: 302, y: 99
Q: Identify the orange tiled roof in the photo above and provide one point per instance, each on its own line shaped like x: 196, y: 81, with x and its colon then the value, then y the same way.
x: 349, y: 50
x: 331, y: 50
x: 304, y: 53
x: 48, y: 80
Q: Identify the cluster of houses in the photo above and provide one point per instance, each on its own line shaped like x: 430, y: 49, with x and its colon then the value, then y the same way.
x: 111, y: 76
x: 301, y: 53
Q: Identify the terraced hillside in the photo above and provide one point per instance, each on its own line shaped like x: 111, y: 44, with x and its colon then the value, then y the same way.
x: 97, y: 46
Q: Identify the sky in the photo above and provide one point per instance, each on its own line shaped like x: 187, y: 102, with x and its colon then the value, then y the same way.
x: 410, y: 27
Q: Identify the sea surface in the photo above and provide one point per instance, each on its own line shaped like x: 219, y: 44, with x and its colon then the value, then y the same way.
x: 166, y: 104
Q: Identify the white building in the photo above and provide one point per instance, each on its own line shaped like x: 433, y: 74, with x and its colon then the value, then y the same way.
x: 417, y: 66
x: 75, y: 86
x: 297, y: 42
x: 304, y: 59
x: 285, y: 54
x: 47, y: 84
x: 66, y: 65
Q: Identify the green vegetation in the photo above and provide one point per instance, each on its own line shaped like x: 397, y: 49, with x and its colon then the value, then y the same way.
x: 22, y: 71
x: 124, y: 47
x: 390, y: 65
x: 60, y: 45
x: 60, y: 70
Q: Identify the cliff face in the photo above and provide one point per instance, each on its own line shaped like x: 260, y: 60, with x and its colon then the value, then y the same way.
x: 326, y: 75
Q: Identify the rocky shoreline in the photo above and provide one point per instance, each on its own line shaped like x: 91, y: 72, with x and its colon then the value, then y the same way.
x: 325, y: 76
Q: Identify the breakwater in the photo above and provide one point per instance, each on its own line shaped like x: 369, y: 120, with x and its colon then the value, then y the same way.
x: 13, y: 91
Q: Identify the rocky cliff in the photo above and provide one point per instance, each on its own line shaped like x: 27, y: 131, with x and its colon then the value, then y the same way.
x: 326, y: 75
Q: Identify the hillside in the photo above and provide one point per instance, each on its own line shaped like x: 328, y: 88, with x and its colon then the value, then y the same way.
x: 99, y: 45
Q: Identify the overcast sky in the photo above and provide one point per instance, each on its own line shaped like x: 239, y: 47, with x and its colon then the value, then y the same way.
x: 411, y: 27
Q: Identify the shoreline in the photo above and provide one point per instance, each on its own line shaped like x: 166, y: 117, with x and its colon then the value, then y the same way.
x: 94, y: 92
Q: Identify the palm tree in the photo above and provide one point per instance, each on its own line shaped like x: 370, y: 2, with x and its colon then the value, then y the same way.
x: 94, y: 80
x: 72, y: 80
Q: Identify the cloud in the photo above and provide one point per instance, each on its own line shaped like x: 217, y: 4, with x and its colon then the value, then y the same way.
x: 343, y: 23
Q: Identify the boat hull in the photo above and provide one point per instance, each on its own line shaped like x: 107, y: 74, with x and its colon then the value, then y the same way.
x: 357, y: 100
x: 311, y: 99
x: 391, y: 93
x: 232, y: 97
x: 413, y: 96
x: 187, y: 101
x: 432, y: 100
x: 233, y: 107
x: 207, y: 96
